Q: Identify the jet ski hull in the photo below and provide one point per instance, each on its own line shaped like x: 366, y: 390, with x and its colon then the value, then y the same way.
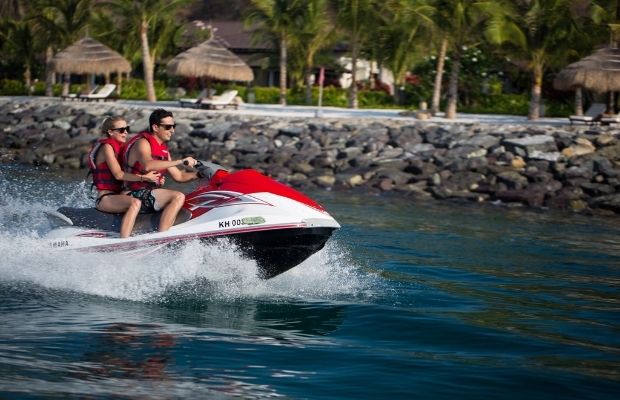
x: 277, y: 251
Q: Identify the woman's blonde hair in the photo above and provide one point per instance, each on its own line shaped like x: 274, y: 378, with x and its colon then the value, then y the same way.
x: 108, y: 123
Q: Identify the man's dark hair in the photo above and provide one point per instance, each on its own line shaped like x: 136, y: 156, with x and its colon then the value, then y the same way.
x: 156, y: 117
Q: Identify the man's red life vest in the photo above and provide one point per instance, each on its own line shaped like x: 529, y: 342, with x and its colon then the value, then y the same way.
x: 159, y: 151
x: 102, y: 175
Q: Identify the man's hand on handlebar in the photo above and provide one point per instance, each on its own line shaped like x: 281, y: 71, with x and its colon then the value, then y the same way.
x: 189, y: 162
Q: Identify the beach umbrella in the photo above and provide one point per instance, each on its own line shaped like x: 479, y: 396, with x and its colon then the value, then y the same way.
x: 88, y: 56
x: 598, y: 72
x: 212, y: 60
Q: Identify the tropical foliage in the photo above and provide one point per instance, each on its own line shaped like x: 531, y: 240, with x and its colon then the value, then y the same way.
x: 356, y: 19
x: 497, y: 52
x: 539, y: 34
x: 151, y: 23
x: 280, y: 21
x: 58, y: 23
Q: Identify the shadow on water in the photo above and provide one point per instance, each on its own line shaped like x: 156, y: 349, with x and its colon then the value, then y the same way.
x: 104, y: 340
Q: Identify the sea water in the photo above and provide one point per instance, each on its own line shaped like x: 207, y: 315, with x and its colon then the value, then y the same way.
x: 410, y: 299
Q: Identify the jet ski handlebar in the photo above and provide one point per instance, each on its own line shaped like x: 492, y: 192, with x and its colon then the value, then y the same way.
x: 206, y: 169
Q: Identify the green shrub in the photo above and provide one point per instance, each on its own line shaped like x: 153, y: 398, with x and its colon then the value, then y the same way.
x: 135, y: 89
x: 297, y: 96
x: 559, y: 109
x: 38, y: 89
x: 11, y: 87
x: 511, y: 104
x: 267, y: 95
x: 375, y: 99
x: 515, y: 104
x: 334, y: 97
x: 411, y: 95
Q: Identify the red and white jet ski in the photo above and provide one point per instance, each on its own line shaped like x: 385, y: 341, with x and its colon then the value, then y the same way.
x: 271, y: 223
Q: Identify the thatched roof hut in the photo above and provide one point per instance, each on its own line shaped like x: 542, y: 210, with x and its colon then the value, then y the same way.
x: 210, y: 59
x: 598, y: 72
x: 88, y: 56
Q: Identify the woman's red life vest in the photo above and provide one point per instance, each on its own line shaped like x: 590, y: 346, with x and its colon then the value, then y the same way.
x: 159, y: 151
x: 102, y: 175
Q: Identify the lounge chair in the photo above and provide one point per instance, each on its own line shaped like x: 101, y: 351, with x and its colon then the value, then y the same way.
x: 77, y: 96
x: 205, y: 94
x: 105, y: 93
x: 610, y: 119
x: 592, y: 116
x: 226, y: 99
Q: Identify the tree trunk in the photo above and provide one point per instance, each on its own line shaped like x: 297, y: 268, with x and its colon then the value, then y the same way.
x: 309, y: 86
x: 441, y: 60
x: 283, y: 61
x: 353, y: 101
x: 66, y: 80
x: 534, y: 112
x: 28, y: 78
x: 453, y: 86
x: 147, y: 63
x: 49, y: 72
x: 578, y: 101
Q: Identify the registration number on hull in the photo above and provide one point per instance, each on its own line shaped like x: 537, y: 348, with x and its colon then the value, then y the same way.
x: 229, y: 223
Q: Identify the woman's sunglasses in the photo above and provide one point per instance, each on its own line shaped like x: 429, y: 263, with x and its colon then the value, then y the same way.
x: 122, y: 129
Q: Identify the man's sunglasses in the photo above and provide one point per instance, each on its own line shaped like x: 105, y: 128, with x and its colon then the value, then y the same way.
x: 122, y: 129
x: 168, y: 126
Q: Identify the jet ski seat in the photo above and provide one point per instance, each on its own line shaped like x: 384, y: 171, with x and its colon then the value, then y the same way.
x: 95, y: 219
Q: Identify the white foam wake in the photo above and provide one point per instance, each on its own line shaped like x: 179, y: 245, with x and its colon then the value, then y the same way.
x: 194, y: 271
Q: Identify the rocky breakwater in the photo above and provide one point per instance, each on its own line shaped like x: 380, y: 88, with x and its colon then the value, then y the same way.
x: 542, y: 166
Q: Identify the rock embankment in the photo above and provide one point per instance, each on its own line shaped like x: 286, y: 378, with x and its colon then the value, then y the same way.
x: 564, y: 167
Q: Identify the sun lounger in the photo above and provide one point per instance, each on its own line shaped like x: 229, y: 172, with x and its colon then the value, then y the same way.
x: 592, y: 116
x: 77, y: 96
x: 226, y: 99
x: 105, y: 93
x: 205, y: 94
x: 610, y: 119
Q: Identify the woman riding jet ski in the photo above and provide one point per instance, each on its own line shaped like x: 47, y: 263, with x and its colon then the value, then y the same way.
x: 271, y: 223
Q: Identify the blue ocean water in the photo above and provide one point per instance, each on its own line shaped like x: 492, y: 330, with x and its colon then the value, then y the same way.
x: 408, y: 300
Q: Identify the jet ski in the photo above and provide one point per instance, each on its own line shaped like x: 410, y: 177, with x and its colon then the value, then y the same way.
x: 269, y: 222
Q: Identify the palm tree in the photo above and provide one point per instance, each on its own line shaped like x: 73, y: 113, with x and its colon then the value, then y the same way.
x: 21, y: 41
x: 462, y: 21
x: 441, y: 61
x: 16, y: 36
x: 143, y: 17
x: 277, y: 20
x: 315, y: 34
x: 402, y: 34
x: 61, y: 22
x: 539, y: 34
x: 355, y: 18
